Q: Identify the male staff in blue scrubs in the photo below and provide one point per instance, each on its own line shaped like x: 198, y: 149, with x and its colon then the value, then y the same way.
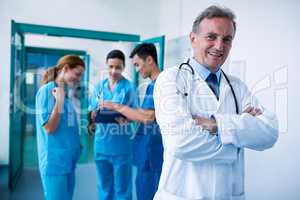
x: 112, y: 147
x: 148, y: 148
x: 57, y: 129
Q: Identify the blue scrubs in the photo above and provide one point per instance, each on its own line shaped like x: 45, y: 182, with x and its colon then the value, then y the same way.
x: 113, y: 147
x: 59, y: 151
x: 148, y: 152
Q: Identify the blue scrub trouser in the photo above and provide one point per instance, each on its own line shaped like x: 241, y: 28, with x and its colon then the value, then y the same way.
x: 58, y: 187
x: 114, y: 177
x: 146, y: 184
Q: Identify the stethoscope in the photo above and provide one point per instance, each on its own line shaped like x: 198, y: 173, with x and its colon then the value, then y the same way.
x: 184, y: 93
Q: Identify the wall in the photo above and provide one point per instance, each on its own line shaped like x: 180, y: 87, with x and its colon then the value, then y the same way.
x: 264, y: 52
x: 114, y: 16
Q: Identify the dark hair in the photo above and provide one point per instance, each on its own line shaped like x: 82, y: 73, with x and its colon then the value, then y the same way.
x: 116, y: 54
x: 212, y: 12
x: 71, y: 60
x: 144, y: 50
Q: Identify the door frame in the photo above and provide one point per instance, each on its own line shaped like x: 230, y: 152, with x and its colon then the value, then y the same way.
x: 14, y: 175
x: 25, y: 28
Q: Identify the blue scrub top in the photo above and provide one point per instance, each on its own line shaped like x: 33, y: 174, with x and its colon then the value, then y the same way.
x: 59, y: 151
x: 148, y: 147
x: 113, y: 139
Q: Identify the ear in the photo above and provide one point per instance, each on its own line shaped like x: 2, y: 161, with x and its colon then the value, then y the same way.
x: 192, y: 37
x: 149, y: 60
x: 65, y: 68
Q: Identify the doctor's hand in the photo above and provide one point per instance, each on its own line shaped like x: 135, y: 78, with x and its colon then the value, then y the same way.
x: 208, y: 124
x: 253, y: 111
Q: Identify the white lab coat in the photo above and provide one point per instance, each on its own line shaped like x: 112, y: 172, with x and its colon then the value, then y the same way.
x: 198, y: 165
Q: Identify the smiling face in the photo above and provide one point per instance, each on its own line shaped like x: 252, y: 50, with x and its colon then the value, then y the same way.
x: 72, y: 75
x: 142, y: 66
x: 115, y: 68
x: 212, y: 42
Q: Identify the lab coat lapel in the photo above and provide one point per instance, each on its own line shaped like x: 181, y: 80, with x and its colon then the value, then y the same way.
x: 224, y: 94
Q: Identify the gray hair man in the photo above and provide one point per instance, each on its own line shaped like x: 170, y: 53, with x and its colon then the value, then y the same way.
x: 207, y: 123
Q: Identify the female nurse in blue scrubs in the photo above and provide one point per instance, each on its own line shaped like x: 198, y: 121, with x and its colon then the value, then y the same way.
x: 112, y: 147
x: 57, y: 129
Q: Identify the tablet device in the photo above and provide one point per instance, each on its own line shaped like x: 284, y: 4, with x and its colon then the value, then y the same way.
x: 107, y: 116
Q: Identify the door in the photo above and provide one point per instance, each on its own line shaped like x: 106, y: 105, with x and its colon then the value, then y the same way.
x: 16, y: 112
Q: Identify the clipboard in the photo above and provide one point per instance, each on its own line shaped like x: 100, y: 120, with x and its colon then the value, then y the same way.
x: 106, y: 116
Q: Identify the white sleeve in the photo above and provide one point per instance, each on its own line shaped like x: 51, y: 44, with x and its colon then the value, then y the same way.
x: 181, y: 136
x: 244, y: 130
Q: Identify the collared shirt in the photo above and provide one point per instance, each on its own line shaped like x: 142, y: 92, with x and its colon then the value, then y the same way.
x: 203, y: 72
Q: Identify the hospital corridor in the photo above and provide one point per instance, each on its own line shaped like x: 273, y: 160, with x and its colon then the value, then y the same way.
x: 149, y: 100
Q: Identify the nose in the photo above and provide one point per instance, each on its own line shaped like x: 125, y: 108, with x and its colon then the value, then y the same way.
x: 113, y: 71
x: 219, y: 44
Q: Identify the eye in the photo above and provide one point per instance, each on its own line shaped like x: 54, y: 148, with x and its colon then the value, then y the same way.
x: 227, y: 40
x: 211, y: 37
x: 118, y: 67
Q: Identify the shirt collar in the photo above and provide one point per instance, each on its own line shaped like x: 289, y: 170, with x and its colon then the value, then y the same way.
x: 202, y: 71
x: 106, y: 83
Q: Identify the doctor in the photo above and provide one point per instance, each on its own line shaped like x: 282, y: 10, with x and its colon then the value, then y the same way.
x: 57, y: 129
x: 207, y: 121
x: 112, y: 146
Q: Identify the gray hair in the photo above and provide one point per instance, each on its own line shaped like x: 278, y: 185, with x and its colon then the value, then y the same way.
x: 212, y: 12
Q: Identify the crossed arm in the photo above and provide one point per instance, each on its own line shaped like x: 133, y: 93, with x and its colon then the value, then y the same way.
x: 211, y: 126
x: 194, y: 138
x: 255, y: 128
